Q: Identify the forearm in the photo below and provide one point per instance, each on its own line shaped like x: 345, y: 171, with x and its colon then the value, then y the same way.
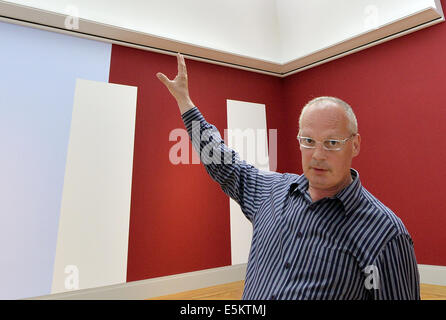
x: 244, y: 183
x: 207, y: 142
x: 221, y: 163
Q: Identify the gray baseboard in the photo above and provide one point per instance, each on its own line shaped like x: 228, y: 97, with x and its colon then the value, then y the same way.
x: 150, y: 288
x: 430, y: 274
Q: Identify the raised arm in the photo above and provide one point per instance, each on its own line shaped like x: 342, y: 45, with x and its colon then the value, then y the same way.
x: 244, y: 183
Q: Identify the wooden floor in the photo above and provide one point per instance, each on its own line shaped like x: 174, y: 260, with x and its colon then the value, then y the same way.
x: 234, y: 290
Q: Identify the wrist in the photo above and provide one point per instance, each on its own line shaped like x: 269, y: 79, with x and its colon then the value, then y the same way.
x: 185, y: 105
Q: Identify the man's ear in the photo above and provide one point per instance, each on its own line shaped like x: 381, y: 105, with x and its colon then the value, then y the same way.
x: 356, y: 144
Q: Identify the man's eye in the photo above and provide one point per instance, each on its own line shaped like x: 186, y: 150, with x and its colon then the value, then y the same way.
x: 333, y: 143
x: 309, y: 141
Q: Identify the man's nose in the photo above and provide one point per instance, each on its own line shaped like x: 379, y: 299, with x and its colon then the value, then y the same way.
x: 319, y: 152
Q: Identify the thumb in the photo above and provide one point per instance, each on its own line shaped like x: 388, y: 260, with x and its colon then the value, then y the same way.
x: 163, y: 78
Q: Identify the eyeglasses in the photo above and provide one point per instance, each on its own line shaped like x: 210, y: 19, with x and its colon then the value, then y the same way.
x: 329, y: 144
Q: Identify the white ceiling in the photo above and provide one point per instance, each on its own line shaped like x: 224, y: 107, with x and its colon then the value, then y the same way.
x: 307, y: 26
x: 276, y: 36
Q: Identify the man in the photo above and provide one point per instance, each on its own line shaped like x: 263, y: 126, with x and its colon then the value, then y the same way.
x: 319, y: 235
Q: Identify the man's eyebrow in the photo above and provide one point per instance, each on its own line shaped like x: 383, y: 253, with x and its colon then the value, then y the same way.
x: 333, y: 136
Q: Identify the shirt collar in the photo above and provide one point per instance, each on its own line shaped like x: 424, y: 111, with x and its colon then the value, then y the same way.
x: 349, y: 196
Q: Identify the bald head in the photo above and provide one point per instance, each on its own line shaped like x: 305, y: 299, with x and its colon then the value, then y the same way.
x: 337, y: 107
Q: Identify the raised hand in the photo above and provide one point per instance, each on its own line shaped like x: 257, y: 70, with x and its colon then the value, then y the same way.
x: 178, y: 87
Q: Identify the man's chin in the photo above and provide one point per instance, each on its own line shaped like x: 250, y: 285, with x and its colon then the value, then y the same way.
x: 319, y: 180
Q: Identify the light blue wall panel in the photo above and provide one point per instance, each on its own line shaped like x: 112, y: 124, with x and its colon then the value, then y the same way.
x: 38, y: 71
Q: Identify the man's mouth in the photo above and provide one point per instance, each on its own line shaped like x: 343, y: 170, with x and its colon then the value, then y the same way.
x: 319, y: 169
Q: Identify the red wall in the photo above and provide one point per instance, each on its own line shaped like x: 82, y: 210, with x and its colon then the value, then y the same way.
x: 179, y: 219
x: 397, y: 90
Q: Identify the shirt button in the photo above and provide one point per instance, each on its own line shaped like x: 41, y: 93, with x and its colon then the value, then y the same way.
x: 273, y: 297
x: 299, y: 234
x: 287, y: 265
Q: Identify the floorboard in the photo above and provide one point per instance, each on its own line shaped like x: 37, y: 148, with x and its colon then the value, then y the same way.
x: 234, y: 290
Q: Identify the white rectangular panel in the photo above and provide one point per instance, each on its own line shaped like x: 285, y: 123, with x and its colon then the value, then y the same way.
x: 93, y: 231
x: 247, y: 134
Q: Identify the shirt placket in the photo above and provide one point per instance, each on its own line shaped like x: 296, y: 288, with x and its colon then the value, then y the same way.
x: 293, y: 239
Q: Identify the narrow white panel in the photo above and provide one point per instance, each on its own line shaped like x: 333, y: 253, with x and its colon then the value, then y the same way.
x: 247, y: 134
x: 93, y: 231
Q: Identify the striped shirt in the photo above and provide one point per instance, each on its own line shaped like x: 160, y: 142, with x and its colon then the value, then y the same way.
x: 348, y: 246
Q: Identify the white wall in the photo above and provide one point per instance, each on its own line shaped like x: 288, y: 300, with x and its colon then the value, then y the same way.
x: 247, y: 28
x: 309, y: 26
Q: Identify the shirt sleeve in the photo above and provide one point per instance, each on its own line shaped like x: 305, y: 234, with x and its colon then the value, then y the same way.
x: 244, y: 183
x: 397, y: 276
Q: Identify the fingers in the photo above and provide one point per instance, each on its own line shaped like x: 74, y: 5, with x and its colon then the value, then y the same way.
x: 181, y: 65
x: 163, y: 78
x: 182, y: 72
